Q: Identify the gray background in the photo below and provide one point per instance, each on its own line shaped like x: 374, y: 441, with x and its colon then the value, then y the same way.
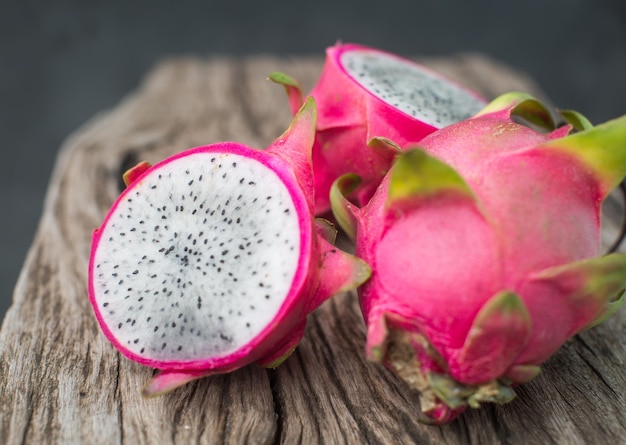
x: 61, y: 62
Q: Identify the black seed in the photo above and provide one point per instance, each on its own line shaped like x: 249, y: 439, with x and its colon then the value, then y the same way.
x: 156, y: 328
x: 136, y: 341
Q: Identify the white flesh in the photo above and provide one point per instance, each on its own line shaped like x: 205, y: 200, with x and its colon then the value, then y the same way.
x: 190, y: 270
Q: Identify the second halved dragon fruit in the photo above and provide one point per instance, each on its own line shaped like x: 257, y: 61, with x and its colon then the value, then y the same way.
x: 364, y: 93
x: 484, y: 244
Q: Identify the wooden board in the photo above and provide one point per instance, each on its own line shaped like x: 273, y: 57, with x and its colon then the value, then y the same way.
x: 62, y: 382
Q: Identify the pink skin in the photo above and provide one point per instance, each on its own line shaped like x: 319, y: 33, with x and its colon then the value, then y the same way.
x: 528, y: 223
x: 349, y: 117
x: 322, y: 270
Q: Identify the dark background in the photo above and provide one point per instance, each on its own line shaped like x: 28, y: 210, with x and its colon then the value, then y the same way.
x: 61, y: 62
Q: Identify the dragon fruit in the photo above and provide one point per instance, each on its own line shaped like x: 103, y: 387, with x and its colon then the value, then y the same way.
x: 484, y: 243
x: 364, y: 93
x: 211, y: 259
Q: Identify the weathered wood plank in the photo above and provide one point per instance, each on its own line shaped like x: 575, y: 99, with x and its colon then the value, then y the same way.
x: 61, y: 382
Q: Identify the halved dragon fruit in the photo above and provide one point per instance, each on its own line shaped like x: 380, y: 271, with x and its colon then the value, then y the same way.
x: 485, y: 248
x: 364, y: 93
x: 211, y: 259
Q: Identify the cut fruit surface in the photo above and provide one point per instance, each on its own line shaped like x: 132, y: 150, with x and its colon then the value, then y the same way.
x: 212, y: 267
x: 411, y: 88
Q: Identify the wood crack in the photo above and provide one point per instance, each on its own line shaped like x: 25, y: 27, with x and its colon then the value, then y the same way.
x: 118, y: 396
x: 278, y: 405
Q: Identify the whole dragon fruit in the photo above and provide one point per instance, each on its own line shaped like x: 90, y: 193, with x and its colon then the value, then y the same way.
x: 485, y: 248
x: 364, y: 93
x: 211, y: 259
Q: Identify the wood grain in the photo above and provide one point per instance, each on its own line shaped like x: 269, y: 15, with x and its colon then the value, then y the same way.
x: 62, y: 382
